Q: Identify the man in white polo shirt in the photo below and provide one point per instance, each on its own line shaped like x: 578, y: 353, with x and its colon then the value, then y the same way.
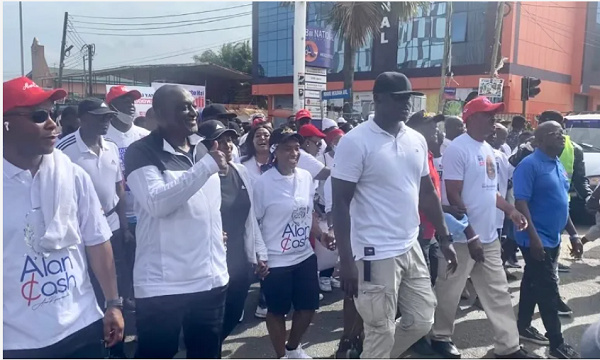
x: 123, y: 132
x: 470, y: 181
x: 99, y: 158
x: 52, y: 220
x: 380, y: 180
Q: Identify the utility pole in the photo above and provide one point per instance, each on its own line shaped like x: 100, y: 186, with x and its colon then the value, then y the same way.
x: 62, y: 50
x: 90, y: 54
x: 299, y: 42
x: 447, y: 53
x: 21, y: 31
x: 497, y: 35
x: 84, y: 77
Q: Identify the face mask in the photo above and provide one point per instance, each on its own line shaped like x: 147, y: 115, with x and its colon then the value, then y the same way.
x: 124, y: 118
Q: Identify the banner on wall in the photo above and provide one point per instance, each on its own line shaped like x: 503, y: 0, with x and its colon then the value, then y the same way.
x: 197, y: 91
x: 319, y: 47
x: 142, y: 104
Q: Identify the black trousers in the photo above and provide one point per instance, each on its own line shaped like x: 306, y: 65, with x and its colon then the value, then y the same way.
x: 430, y: 248
x: 538, y: 286
x: 86, y: 343
x: 237, y: 292
x: 160, y: 319
x: 124, y: 281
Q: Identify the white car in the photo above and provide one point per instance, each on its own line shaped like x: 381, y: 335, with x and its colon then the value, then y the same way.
x: 585, y: 130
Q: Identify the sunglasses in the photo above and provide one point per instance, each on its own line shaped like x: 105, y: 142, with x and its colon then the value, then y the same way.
x: 37, y: 116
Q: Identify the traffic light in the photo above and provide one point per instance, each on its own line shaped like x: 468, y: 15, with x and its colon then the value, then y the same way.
x: 529, y: 87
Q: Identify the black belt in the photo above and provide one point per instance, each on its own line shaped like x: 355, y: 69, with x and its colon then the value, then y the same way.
x: 112, y: 211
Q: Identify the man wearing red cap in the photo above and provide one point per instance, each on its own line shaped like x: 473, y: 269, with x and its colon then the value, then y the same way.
x: 470, y: 182
x: 53, y: 226
x: 124, y: 132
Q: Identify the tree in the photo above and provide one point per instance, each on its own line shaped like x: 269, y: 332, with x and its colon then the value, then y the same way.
x: 237, y: 56
x: 357, y: 22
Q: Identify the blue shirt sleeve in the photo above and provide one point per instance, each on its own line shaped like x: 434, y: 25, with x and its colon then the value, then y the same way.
x: 523, y: 180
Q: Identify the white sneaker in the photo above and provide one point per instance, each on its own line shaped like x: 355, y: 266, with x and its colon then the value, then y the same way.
x: 260, y: 312
x: 298, y: 353
x: 284, y: 357
x: 335, y: 283
x: 321, y: 297
x: 325, y: 284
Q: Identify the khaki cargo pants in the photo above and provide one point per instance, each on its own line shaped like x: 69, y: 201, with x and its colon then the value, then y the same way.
x: 402, y: 282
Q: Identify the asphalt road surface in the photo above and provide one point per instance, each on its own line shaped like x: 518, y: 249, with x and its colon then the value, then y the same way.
x: 473, y: 333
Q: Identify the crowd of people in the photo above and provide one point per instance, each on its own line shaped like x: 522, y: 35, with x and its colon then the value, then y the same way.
x: 173, y: 216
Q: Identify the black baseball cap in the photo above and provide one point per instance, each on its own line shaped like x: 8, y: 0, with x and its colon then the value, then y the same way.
x: 392, y: 82
x: 282, y: 135
x: 215, y: 111
x: 213, y: 129
x: 420, y: 118
x: 93, y: 106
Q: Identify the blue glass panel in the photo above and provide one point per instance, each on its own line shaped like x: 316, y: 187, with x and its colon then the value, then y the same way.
x: 459, y: 27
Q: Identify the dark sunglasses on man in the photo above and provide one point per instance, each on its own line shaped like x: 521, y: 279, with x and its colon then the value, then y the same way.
x: 37, y: 116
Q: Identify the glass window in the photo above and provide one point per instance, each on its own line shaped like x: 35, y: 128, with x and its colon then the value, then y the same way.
x: 459, y: 27
x: 281, y: 49
x: 598, y: 13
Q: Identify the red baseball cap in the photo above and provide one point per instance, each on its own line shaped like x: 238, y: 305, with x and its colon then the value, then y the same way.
x: 303, y: 113
x: 309, y: 130
x: 120, y: 90
x: 481, y: 104
x: 22, y: 92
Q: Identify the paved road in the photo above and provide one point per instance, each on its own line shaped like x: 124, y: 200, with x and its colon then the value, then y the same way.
x: 473, y: 335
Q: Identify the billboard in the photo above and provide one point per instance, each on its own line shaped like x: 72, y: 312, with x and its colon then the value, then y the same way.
x: 319, y: 47
x: 197, y: 91
x: 142, y: 104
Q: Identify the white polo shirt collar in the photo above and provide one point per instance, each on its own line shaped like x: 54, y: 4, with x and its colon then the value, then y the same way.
x: 84, y: 148
x: 378, y: 130
x: 194, y: 139
x: 10, y: 171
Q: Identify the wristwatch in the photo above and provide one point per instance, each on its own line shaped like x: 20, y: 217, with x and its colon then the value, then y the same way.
x: 118, y: 303
x: 447, y: 238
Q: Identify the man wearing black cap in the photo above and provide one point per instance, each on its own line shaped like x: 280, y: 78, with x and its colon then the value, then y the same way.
x: 99, y: 157
x: 180, y: 272
x: 382, y: 265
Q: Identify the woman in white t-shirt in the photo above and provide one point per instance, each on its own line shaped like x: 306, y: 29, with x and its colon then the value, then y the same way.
x: 257, y: 150
x: 283, y: 201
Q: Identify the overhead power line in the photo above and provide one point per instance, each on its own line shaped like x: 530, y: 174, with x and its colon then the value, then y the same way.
x: 181, y: 23
x: 167, y: 34
x: 162, y: 16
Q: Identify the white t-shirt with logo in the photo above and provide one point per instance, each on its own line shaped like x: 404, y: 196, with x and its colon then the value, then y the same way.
x: 284, y: 206
x: 505, y: 172
x: 46, y: 298
x: 123, y: 140
x: 474, y: 163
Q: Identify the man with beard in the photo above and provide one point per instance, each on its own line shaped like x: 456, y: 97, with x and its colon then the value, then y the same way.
x: 180, y: 272
x: 123, y: 132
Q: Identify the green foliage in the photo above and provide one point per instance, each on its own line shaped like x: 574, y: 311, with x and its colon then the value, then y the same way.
x: 237, y: 56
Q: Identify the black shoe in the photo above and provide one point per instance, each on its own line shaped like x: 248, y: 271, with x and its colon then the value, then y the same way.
x: 532, y: 335
x: 563, y: 268
x: 519, y: 354
x: 564, y: 309
x: 511, y: 277
x: 564, y: 351
x: 445, y: 348
x: 422, y: 347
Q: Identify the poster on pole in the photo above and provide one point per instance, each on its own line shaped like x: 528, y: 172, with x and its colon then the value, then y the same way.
x: 490, y: 87
x: 197, y: 91
x: 143, y: 104
x: 319, y: 47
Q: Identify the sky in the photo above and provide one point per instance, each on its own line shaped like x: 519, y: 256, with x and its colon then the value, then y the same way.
x: 44, y: 20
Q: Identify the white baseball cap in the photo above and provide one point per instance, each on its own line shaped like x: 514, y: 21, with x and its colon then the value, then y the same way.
x: 341, y: 120
x: 328, y: 123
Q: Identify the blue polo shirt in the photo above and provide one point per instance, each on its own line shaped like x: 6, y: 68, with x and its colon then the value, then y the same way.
x: 543, y: 183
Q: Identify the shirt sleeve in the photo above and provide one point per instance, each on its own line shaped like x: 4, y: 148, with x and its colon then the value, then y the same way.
x: 453, y: 163
x: 523, y: 181
x: 348, y: 162
x: 158, y: 197
x: 93, y: 225
x: 328, y: 195
x: 425, y: 171
x: 310, y: 164
x: 257, y: 196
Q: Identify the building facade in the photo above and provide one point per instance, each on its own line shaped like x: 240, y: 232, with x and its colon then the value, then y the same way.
x: 558, y: 42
